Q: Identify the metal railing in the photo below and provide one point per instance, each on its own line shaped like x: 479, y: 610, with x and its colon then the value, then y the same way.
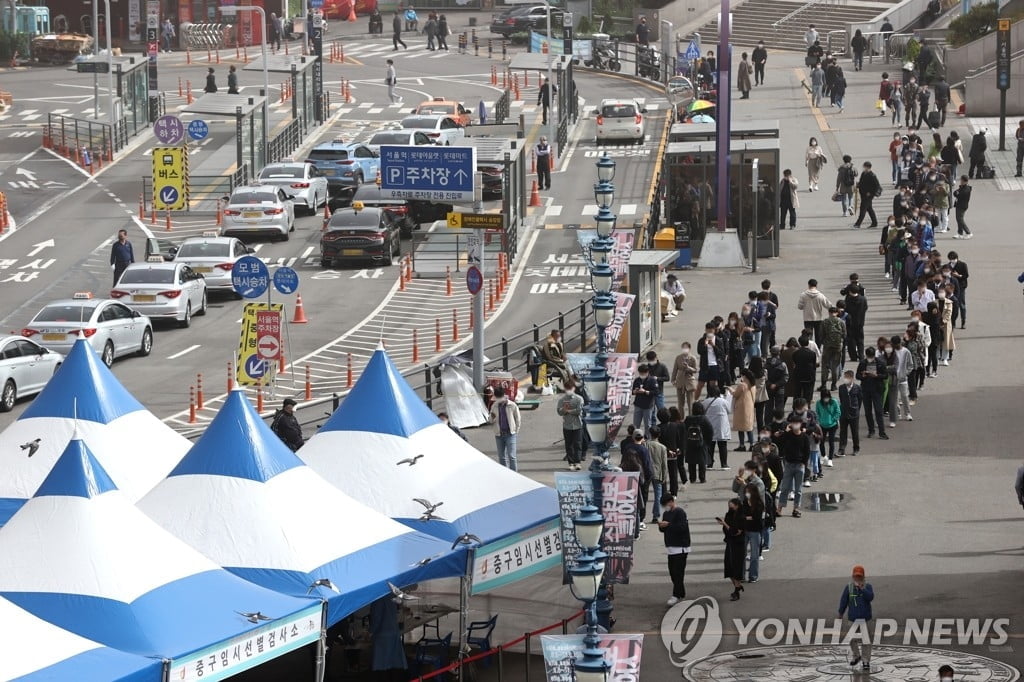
x: 69, y: 135
x: 205, y: 36
x: 204, y: 191
x: 285, y: 142
x: 803, y: 9
x: 837, y: 43
x: 501, y: 107
x: 433, y: 251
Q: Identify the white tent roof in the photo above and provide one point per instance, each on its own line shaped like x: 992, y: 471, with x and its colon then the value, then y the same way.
x: 84, y: 397
x: 247, y: 502
x: 382, y: 422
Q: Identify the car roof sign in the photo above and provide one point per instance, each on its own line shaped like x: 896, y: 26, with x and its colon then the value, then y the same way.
x: 82, y: 295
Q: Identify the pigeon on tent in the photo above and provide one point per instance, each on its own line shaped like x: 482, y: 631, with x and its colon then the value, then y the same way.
x: 33, y: 650
x: 82, y: 557
x: 384, y: 447
x: 84, y: 397
x: 247, y: 502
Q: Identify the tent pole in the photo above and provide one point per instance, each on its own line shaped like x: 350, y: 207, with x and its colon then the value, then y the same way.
x: 321, y: 647
x: 464, y: 609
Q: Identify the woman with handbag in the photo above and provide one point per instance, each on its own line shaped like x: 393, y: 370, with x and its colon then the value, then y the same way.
x: 815, y: 160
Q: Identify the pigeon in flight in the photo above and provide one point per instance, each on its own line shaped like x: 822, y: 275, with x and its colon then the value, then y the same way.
x: 430, y: 508
x: 427, y: 560
x: 322, y: 582
x: 31, y: 446
x: 465, y: 539
x: 253, y: 617
x: 409, y: 460
x: 400, y: 596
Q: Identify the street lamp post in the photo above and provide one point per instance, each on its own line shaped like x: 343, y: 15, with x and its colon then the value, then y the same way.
x: 551, y: 84
x: 110, y: 65
x: 230, y: 10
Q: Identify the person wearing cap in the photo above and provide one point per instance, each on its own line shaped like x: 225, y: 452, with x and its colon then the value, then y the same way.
x: 287, y: 426
x: 856, y: 603
x: 542, y: 150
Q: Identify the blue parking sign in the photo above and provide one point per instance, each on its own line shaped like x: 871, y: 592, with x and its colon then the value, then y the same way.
x: 286, y: 280
x: 250, y: 277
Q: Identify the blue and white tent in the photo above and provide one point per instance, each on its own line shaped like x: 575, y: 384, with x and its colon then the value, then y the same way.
x: 82, y: 557
x: 84, y: 397
x: 243, y: 499
x: 32, y: 650
x: 382, y: 422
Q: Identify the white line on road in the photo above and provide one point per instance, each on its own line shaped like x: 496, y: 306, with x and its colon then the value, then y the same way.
x: 305, y: 254
x: 184, y: 352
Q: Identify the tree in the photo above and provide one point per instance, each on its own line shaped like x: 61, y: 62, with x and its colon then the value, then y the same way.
x: 980, y: 21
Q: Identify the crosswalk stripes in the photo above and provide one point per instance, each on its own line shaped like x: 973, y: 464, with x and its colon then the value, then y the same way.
x: 23, y: 184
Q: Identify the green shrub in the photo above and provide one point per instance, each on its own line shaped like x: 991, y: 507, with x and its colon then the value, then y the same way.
x: 11, y: 43
x: 585, y: 25
x: 913, y: 50
x: 519, y: 38
x: 980, y: 21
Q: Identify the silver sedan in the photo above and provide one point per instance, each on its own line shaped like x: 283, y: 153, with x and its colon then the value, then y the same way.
x: 259, y: 210
x: 25, y: 367
x: 111, y: 328
x: 162, y: 290
x: 306, y: 186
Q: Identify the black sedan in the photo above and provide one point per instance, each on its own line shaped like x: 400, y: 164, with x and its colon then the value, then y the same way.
x: 360, y: 233
x: 524, y: 18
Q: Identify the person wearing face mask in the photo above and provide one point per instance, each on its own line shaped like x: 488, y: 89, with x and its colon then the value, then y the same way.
x: 675, y: 529
x: 732, y: 529
x: 794, y: 448
x: 759, y: 56
x: 932, y: 321
x: 659, y: 470
x: 899, y: 376
x: 856, y: 310
x: 752, y: 509
x: 718, y: 409
x: 911, y: 261
x: 569, y: 407
x: 829, y: 413
x: 698, y: 437
x: 868, y: 188
x: 947, y: 343
x: 776, y: 379
x: 920, y: 299
x: 684, y: 378
x: 872, y: 373
x: 711, y: 351
x: 918, y: 352
x: 850, y: 398
x: 815, y: 160
x: 743, y: 417
x: 959, y: 272
x: 962, y: 194
x: 946, y: 673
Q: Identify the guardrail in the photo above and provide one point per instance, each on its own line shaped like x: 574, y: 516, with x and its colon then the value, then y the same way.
x: 286, y: 142
x: 71, y: 136
x: 432, y: 251
x: 501, y: 107
x: 206, y: 35
x: 204, y: 191
x: 803, y: 9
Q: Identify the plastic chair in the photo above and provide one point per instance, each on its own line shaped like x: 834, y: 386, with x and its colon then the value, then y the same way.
x: 433, y: 652
x: 483, y: 641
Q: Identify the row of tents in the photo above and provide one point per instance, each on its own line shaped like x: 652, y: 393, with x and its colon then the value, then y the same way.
x: 128, y: 553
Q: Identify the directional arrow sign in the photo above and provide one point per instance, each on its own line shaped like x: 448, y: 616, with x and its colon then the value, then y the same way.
x: 29, y: 175
x: 40, y: 246
x: 269, y: 347
x: 169, y: 195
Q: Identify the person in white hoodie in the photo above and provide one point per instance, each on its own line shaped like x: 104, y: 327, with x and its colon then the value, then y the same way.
x: 814, y: 305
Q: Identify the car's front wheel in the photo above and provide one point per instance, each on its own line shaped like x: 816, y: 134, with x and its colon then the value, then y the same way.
x: 9, y: 396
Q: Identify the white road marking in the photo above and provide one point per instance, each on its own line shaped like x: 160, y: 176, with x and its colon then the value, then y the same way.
x: 552, y: 211
x: 305, y: 254
x: 183, y: 352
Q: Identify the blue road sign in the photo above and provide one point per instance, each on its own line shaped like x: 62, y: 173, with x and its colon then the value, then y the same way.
x: 198, y: 129
x: 474, y: 280
x: 430, y: 173
x: 250, y: 277
x: 168, y: 195
x: 255, y: 366
x: 316, y: 4
x: 692, y: 51
x: 286, y: 280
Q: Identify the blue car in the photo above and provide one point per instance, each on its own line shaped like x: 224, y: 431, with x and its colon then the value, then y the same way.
x: 346, y: 165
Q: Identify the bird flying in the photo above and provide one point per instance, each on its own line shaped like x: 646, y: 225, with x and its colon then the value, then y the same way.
x: 322, y: 582
x: 409, y: 460
x: 430, y: 508
x: 253, y: 617
x: 31, y: 446
x: 400, y: 596
x: 465, y: 539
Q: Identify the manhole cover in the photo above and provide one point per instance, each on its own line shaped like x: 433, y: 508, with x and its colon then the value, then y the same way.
x: 824, y: 502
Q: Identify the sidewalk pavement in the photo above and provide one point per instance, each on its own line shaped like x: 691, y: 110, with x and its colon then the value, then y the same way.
x: 910, y: 515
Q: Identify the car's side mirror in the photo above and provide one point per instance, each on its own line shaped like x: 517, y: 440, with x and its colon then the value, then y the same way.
x: 136, y: 313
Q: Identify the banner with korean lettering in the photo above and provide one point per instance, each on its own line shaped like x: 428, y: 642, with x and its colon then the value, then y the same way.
x: 623, y: 303
x: 517, y: 556
x: 622, y: 249
x: 252, y: 368
x: 619, y: 507
x: 241, y: 653
x: 621, y: 368
x: 621, y: 651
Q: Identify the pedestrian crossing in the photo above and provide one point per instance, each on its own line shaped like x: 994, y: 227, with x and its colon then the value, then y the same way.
x: 557, y: 217
x: 365, y: 50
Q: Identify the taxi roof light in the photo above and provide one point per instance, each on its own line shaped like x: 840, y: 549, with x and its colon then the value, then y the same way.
x: 82, y: 296
x: 155, y: 259
x: 211, y: 233
x: 357, y: 206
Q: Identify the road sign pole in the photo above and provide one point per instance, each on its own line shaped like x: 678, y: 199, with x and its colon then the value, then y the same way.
x: 478, y: 299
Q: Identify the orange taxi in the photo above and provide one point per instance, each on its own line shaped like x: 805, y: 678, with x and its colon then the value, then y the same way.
x: 440, y: 105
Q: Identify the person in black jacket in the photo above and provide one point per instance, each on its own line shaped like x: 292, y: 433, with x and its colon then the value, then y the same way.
x: 962, y: 194
x: 287, y: 427
x: 856, y: 309
x: 211, y: 81
x: 697, y: 437
x: 941, y: 99
x: 960, y: 274
x: 732, y: 529
x: 675, y: 528
x: 805, y: 364
x: 979, y: 145
x: 924, y: 100
x: 868, y: 187
x: 671, y: 437
x: 713, y: 357
x: 850, y: 398
x: 759, y: 56
x: 795, y: 450
x: 872, y: 372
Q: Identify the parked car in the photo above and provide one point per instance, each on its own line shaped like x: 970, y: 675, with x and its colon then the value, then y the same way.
x: 409, y: 214
x: 213, y: 257
x: 360, y: 233
x: 259, y: 210
x: 621, y: 119
x: 443, y: 130
x: 302, y: 182
x: 162, y: 290
x: 493, y: 176
x: 346, y: 165
x: 408, y: 137
x: 524, y: 18
x: 110, y: 327
x: 445, y: 107
x: 25, y: 367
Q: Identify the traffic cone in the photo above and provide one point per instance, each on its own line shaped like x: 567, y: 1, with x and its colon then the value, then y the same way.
x: 300, y: 312
x: 352, y: 12
x: 534, y: 195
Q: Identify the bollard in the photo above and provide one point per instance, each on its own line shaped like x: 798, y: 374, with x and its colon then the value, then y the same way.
x: 199, y: 391
x: 504, y: 50
x: 152, y: 213
x: 181, y: 93
x: 238, y: 53
x: 526, y: 79
x: 191, y: 405
x: 348, y: 372
x: 281, y: 363
x: 167, y: 221
x: 188, y: 91
x: 259, y: 396
x: 490, y: 51
x: 286, y: 47
x: 348, y: 92
x: 188, y: 55
x: 455, y: 325
x: 415, y: 347
x: 309, y: 385
x: 448, y: 280
x: 490, y: 295
x: 401, y: 276
x: 217, y: 57
x: 533, y: 161
x: 245, y: 54
x: 220, y: 212
x: 142, y: 207
x: 209, y: 55
x: 437, y: 335
x: 231, y: 378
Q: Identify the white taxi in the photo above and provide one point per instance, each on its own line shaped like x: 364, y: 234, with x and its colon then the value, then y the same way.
x: 212, y: 257
x: 162, y: 290
x: 621, y: 119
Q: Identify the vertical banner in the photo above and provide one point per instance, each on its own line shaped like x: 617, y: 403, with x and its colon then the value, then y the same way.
x: 620, y: 491
x: 622, y: 249
x: 621, y: 651
x: 621, y: 369
x: 134, y: 20
x: 623, y: 303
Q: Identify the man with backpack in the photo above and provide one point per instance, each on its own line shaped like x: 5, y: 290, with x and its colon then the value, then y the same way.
x: 697, y: 434
x: 846, y: 181
x: 287, y: 427
x: 833, y: 334
x: 979, y: 145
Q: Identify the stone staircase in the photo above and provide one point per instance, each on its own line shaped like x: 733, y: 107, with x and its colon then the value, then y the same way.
x: 752, y: 21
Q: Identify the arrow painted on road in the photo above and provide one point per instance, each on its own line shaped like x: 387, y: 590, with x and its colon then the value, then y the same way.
x: 40, y: 246
x: 27, y: 173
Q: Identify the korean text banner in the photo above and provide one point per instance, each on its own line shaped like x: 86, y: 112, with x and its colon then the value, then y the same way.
x: 621, y: 651
x: 622, y: 249
x: 621, y: 369
x: 623, y: 303
x: 517, y: 556
x: 619, y: 507
x: 538, y: 41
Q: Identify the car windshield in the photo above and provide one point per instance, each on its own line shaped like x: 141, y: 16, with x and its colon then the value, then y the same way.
x: 253, y: 198
x: 355, y: 221
x: 329, y: 154
x: 203, y: 249
x: 147, y: 276
x: 390, y: 138
x: 420, y: 122
x: 281, y: 172
x: 618, y: 111
x: 70, y: 312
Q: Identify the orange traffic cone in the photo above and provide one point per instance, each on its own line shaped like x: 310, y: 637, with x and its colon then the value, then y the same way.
x: 534, y: 195
x: 352, y: 12
x: 300, y: 312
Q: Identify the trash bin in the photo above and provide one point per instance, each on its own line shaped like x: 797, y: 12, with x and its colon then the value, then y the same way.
x: 665, y: 238
x: 681, y: 237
